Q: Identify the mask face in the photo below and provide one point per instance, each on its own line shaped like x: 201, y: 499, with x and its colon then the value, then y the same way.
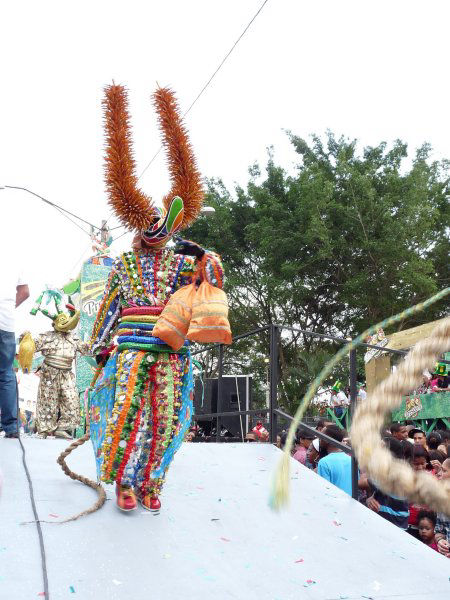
x: 64, y: 323
x: 169, y: 222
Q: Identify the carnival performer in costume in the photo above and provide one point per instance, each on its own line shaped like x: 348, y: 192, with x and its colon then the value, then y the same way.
x: 58, y: 406
x: 141, y: 405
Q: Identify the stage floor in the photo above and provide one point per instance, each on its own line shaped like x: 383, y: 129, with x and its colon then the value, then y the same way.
x: 216, y: 536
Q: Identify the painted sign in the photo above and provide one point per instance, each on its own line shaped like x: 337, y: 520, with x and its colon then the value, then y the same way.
x: 93, y: 281
x: 94, y: 274
x: 378, y: 339
x: 424, y: 406
x: 413, y: 406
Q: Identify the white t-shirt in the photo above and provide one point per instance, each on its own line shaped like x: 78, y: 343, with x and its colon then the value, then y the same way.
x: 362, y: 395
x: 340, y: 399
x: 9, y: 280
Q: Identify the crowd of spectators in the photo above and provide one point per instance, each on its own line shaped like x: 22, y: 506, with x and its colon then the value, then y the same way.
x: 406, y: 442
x: 439, y: 381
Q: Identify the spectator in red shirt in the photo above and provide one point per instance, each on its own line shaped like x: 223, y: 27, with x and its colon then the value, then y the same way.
x: 427, y: 522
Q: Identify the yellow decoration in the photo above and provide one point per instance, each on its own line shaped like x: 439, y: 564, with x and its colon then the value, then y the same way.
x: 64, y: 323
x: 26, y: 352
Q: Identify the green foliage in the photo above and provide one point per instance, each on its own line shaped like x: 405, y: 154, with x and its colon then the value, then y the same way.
x: 348, y: 240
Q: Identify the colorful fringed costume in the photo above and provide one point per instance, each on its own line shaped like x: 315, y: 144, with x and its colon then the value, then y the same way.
x: 141, y: 405
x: 151, y: 404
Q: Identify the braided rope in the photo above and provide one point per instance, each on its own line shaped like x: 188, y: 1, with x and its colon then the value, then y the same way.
x: 392, y: 475
x: 95, y: 486
x: 280, y: 490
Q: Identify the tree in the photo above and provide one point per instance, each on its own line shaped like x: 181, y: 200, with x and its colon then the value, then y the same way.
x: 348, y: 240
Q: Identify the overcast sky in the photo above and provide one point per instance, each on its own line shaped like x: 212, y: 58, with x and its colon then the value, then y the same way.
x: 374, y: 70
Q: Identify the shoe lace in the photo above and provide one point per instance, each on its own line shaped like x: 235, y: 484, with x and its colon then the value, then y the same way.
x: 126, y: 494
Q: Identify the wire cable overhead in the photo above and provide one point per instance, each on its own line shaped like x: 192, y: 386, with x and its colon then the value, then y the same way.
x: 60, y: 209
x: 66, y: 212
x: 205, y: 86
x: 212, y: 76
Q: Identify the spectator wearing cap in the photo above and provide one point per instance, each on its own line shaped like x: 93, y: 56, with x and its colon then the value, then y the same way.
x: 336, y: 466
x: 312, y: 454
x: 304, y: 439
x: 419, y: 437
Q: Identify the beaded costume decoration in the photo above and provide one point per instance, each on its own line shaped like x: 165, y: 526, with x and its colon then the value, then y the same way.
x: 141, y: 404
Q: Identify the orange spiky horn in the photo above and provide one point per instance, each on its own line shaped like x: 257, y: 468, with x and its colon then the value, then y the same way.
x: 185, y: 177
x: 133, y: 208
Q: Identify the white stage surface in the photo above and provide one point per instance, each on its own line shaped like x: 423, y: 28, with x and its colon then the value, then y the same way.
x: 216, y: 536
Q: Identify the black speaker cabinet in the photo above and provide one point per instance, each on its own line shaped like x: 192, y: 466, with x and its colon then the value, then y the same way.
x: 236, y: 395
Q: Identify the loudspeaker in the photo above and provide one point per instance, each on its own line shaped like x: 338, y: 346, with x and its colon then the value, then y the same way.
x: 203, y: 404
x: 236, y: 395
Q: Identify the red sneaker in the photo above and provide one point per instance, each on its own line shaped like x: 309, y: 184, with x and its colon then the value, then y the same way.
x: 126, y: 498
x: 151, y: 503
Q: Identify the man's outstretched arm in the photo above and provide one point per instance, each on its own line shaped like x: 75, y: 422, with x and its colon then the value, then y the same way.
x: 22, y: 293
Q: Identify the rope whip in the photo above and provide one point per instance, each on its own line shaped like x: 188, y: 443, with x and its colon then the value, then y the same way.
x: 369, y: 418
x: 395, y: 476
x: 61, y: 460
